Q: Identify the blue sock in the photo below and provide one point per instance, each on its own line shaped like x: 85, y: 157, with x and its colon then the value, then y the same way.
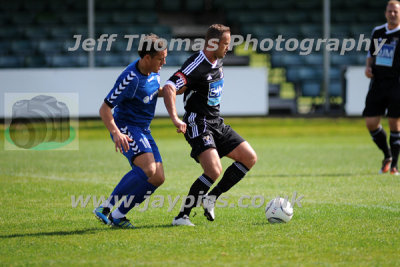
x: 137, y: 194
x: 130, y: 180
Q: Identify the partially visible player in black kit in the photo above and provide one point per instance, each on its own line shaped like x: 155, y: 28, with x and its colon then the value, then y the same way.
x: 201, y: 78
x: 384, y: 93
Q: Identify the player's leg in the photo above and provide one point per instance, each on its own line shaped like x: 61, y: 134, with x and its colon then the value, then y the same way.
x: 394, y: 140
x: 235, y: 147
x: 394, y: 124
x: 146, y: 175
x: 245, y: 157
x: 232, y: 145
x: 379, y: 137
x: 211, y: 164
x: 149, y: 176
x: 375, y: 107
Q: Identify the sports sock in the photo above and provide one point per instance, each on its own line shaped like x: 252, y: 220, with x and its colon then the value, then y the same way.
x: 394, y: 146
x: 379, y: 137
x: 232, y: 176
x: 136, y: 194
x: 124, y: 186
x: 198, y: 189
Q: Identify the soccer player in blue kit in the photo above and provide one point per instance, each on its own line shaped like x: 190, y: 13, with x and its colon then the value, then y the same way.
x: 134, y: 98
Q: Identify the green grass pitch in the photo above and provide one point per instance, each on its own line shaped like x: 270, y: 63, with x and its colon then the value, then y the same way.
x: 350, y: 215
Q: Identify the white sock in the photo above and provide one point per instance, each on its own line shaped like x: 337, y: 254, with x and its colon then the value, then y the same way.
x: 107, y: 204
x: 117, y: 214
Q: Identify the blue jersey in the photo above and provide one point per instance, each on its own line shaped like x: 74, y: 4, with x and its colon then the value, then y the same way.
x: 134, y: 97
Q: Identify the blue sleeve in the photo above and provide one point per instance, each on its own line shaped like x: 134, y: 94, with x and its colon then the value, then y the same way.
x: 124, y: 87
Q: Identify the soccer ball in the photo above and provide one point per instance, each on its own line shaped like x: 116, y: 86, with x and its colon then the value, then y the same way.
x: 279, y: 210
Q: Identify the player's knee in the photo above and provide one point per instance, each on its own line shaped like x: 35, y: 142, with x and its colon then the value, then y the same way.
x: 157, y: 180
x: 253, y: 158
x: 249, y: 158
x: 213, y: 172
x: 150, y: 170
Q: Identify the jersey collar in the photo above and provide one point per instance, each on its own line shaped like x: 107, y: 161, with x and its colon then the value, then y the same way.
x: 212, y: 65
x: 391, y: 31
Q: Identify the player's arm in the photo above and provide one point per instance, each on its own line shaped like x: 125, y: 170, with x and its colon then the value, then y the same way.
x: 170, y: 93
x: 179, y: 92
x: 121, y: 140
x: 370, y: 58
x: 368, y: 67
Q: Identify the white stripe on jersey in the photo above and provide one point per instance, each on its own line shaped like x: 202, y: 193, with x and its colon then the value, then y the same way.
x: 194, y: 64
x: 121, y: 87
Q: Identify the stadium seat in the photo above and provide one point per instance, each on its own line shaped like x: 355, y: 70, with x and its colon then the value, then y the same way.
x: 66, y: 61
x: 103, y: 18
x: 23, y: 47
x: 296, y: 16
x: 311, y: 30
x: 335, y: 89
x: 194, y: 5
x: 310, y: 73
x: 292, y: 74
x: 124, y: 18
x: 341, y: 16
x: 36, y: 33
x: 171, y: 5
x: 35, y: 62
x: 73, y: 18
x: 281, y: 59
x: 314, y: 59
x: 22, y: 18
x: 47, y: 19
x: 46, y: 47
x: 309, y: 5
x: 135, y: 5
x: 289, y: 31
x: 111, y: 60
x: 271, y: 18
x: 34, y: 6
x: 5, y: 47
x: 257, y: 4
x: 11, y: 61
x: 61, y: 32
x: 11, y: 7
x: 147, y: 18
x: 340, y: 31
x: 311, y: 89
x: 371, y: 17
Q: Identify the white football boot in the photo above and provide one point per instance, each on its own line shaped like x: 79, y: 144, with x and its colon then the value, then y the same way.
x: 182, y: 221
x: 208, y: 204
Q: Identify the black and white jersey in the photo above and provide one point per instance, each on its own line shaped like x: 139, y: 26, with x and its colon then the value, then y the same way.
x: 386, y: 63
x: 204, y: 82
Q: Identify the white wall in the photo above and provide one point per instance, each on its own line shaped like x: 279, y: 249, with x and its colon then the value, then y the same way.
x: 357, y: 85
x: 245, y: 89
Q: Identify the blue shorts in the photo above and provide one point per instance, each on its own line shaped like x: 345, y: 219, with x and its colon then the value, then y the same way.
x: 143, y: 142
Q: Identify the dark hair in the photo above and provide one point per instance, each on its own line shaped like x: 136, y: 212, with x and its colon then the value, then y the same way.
x: 216, y: 31
x: 151, y: 45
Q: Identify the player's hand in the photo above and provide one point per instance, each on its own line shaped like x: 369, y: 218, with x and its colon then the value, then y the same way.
x: 180, y: 126
x: 368, y: 72
x: 121, y: 142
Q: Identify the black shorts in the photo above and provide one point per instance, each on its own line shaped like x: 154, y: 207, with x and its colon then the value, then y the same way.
x: 203, y: 133
x: 383, y: 95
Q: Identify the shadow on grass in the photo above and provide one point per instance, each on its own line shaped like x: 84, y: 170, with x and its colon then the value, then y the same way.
x: 81, y: 232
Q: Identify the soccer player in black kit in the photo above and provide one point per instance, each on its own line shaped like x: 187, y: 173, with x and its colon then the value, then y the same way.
x: 384, y: 93
x: 201, y: 78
